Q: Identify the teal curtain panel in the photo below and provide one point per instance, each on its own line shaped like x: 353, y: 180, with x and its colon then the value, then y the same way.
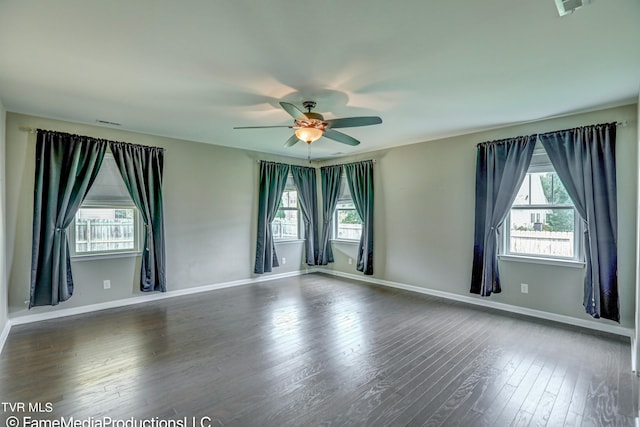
x: 500, y: 169
x: 66, y: 166
x: 360, y: 180
x: 273, y: 178
x: 305, y: 181
x: 584, y: 159
x: 330, y: 177
x: 141, y: 169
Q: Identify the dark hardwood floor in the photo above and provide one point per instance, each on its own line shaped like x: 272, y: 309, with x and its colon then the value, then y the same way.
x: 316, y: 350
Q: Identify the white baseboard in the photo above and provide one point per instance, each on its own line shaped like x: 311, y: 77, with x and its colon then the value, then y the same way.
x: 602, y: 327
x: 4, y: 334
x: 30, y: 318
x: 484, y: 302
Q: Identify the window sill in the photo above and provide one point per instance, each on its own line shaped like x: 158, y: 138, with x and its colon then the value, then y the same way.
x: 345, y: 241
x: 545, y: 261
x: 93, y: 257
x: 279, y: 242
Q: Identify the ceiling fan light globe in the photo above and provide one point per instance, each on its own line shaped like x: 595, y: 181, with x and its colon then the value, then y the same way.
x: 309, y: 134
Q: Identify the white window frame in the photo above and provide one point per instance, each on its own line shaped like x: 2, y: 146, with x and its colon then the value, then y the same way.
x: 104, y: 195
x: 340, y: 207
x: 576, y: 260
x: 291, y: 187
x: 137, y: 229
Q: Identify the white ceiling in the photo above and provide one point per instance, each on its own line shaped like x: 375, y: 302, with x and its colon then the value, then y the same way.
x: 194, y: 69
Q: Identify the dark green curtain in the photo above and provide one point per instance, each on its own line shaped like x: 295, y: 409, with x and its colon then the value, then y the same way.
x: 584, y: 159
x: 360, y: 180
x: 330, y: 177
x: 273, y: 178
x: 500, y: 169
x: 66, y: 166
x: 305, y: 180
x: 141, y: 169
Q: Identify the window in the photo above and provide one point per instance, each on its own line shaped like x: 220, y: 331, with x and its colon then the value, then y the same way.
x: 347, y: 224
x: 543, y: 221
x: 286, y: 224
x: 107, y: 221
x: 105, y: 229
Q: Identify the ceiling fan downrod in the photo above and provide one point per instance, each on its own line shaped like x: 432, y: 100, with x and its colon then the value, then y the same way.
x: 309, y: 105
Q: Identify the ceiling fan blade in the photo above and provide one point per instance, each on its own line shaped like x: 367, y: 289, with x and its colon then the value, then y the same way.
x: 291, y: 141
x: 260, y: 127
x: 340, y: 137
x: 350, y: 122
x: 293, y: 110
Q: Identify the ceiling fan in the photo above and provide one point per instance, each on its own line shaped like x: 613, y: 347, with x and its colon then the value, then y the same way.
x: 311, y: 126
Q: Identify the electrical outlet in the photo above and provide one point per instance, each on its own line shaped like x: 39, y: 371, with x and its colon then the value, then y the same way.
x: 106, y: 284
x: 284, y: 260
x: 350, y: 261
x: 524, y: 288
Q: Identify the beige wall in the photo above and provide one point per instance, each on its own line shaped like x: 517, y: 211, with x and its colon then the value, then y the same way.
x: 424, y: 219
x: 210, y: 208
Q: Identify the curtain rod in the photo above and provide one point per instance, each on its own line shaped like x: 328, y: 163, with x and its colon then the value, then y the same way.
x: 280, y: 163
x: 258, y: 161
x: 374, y: 161
x: 35, y: 130
x: 622, y: 124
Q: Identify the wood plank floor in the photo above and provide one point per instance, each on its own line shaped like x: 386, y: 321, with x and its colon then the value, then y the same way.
x: 316, y: 350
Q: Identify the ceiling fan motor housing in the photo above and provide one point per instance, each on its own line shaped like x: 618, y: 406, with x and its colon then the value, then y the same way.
x: 314, y: 116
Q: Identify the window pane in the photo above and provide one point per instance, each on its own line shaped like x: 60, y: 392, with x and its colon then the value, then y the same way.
x: 104, y: 229
x: 542, y: 188
x: 542, y: 218
x: 289, y: 199
x: 548, y: 232
x: 553, y: 189
x: 538, y: 195
x: 523, y: 197
x: 348, y: 222
x: 285, y: 224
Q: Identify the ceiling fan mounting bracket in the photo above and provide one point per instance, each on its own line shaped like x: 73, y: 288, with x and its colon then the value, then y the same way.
x: 309, y: 105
